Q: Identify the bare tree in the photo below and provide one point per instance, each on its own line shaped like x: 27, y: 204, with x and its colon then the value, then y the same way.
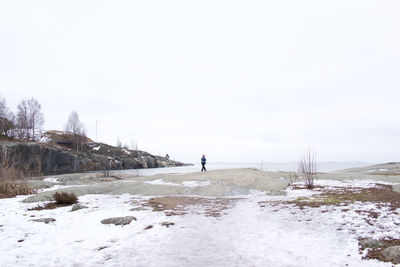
x: 76, y: 128
x: 125, y: 146
x: 29, y: 120
x: 6, y: 118
x: 119, y: 143
x: 22, y: 120
x: 35, y: 117
x: 307, y: 167
x: 134, y: 145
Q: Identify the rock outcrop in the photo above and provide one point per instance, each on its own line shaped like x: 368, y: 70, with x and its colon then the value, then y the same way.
x: 119, y: 220
x: 44, y: 220
x: 392, y: 254
x: 47, y: 158
x: 78, y: 206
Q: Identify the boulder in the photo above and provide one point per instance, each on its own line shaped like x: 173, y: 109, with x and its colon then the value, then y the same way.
x: 119, y: 220
x: 392, y: 254
x: 44, y: 220
x: 370, y: 243
x: 78, y: 207
x: 167, y: 224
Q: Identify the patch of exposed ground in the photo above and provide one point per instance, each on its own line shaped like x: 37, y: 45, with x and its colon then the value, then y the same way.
x: 49, y: 206
x: 377, y: 207
x: 377, y: 253
x: 178, y: 205
x: 380, y: 194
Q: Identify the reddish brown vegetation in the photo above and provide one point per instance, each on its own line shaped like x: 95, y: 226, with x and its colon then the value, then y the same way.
x: 65, y: 198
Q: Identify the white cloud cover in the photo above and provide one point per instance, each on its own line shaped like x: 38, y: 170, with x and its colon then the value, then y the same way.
x: 239, y: 81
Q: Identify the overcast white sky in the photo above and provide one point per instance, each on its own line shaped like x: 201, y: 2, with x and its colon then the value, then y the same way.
x: 236, y: 80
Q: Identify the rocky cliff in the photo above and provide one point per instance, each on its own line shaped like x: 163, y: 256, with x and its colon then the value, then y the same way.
x: 33, y: 157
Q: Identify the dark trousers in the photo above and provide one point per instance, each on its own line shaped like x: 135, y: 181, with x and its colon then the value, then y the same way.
x: 203, y: 168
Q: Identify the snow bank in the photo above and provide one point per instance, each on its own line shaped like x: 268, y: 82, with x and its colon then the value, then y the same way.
x: 248, y: 235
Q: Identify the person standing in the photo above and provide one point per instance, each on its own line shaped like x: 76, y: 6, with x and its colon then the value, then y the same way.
x: 203, y: 163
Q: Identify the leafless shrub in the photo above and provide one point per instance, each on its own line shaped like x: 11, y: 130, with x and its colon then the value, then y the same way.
x: 65, y: 198
x: 293, y: 177
x: 307, y: 167
x: 107, y: 169
x: 106, y: 172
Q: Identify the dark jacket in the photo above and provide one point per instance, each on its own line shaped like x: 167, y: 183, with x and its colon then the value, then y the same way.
x: 203, y: 160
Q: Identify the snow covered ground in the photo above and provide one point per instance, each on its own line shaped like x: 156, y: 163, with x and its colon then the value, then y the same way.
x: 258, y: 229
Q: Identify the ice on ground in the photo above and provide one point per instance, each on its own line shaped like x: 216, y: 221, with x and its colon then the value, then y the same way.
x: 184, y: 183
x: 51, y: 180
x: 196, y: 183
x: 57, y: 187
x: 348, y: 183
x: 161, y: 182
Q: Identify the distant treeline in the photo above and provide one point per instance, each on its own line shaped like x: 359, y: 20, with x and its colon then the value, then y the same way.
x: 28, y: 120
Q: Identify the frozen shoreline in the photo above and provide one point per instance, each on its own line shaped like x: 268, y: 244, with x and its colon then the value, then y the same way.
x: 252, y: 226
x: 264, y: 166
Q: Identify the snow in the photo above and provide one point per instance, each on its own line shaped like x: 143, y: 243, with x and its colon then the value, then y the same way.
x: 51, y: 180
x: 96, y: 148
x: 196, y: 183
x: 184, y: 183
x: 45, y: 139
x: 161, y: 182
x: 56, y: 187
x: 248, y: 234
x: 379, y: 170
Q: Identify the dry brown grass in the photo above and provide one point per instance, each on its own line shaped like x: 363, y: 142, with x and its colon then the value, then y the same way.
x: 49, y: 206
x: 65, y: 198
x: 177, y: 205
x: 13, y: 183
x: 380, y: 194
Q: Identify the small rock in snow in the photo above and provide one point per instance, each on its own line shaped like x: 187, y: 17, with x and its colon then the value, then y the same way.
x: 148, y: 227
x: 119, y: 220
x: 45, y: 220
x: 173, y: 213
x: 167, y: 224
x: 78, y: 207
x: 392, y: 254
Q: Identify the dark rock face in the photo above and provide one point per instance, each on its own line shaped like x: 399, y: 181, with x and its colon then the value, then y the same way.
x: 34, y: 158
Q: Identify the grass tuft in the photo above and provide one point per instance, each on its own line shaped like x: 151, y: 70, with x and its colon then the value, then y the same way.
x: 12, y: 183
x: 65, y: 198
